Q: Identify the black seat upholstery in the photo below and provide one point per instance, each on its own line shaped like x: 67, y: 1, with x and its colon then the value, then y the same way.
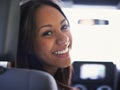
x: 15, y: 78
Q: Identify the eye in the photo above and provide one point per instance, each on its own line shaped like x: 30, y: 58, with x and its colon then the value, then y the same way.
x: 65, y: 27
x: 47, y: 33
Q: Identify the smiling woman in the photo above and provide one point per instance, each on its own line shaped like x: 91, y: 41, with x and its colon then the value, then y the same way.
x: 45, y: 41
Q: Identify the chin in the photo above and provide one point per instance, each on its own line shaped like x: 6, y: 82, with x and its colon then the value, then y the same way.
x: 65, y: 64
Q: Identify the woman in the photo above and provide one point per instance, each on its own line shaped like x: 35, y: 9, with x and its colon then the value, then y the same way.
x: 45, y: 41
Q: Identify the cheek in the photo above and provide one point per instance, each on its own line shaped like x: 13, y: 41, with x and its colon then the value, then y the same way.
x: 43, y: 46
x: 41, y: 50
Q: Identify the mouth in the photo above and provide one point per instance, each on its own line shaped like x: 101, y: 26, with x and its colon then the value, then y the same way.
x: 60, y: 52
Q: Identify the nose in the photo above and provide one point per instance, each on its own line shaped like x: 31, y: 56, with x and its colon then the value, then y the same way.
x: 63, y: 40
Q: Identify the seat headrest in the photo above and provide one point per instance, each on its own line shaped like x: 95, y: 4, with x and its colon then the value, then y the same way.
x: 24, y: 79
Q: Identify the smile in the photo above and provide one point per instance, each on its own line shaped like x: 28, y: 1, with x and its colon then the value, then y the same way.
x: 62, y: 51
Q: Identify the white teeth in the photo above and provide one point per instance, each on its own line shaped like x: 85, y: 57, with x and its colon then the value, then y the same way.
x: 62, y: 52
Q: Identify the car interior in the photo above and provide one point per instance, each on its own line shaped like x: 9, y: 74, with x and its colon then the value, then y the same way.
x: 94, y: 24
x: 87, y: 75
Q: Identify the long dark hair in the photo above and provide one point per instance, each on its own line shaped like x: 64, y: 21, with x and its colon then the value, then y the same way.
x: 25, y: 57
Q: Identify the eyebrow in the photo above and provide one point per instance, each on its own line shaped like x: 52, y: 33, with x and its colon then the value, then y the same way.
x: 63, y: 21
x: 49, y: 25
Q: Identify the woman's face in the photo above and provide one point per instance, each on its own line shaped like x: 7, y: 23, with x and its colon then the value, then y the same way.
x: 53, y: 38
